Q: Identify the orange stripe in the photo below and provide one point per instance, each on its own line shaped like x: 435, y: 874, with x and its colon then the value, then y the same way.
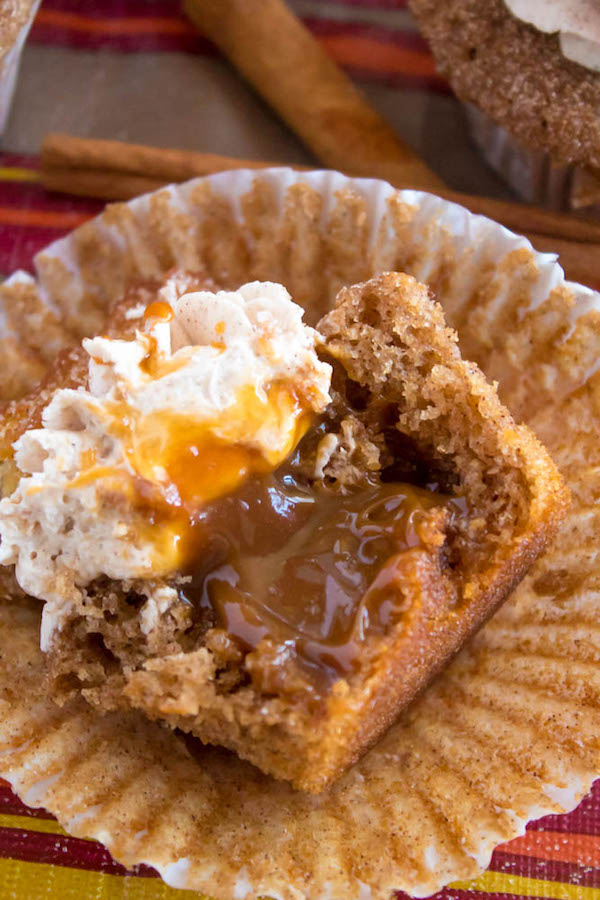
x: 377, y: 56
x: 352, y: 50
x: 583, y: 849
x: 42, y: 218
x: 131, y: 25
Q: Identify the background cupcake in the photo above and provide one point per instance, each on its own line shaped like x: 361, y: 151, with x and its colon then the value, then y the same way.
x: 530, y: 72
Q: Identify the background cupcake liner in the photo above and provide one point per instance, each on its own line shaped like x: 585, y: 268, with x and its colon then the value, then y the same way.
x: 10, y: 57
x: 530, y: 173
x: 508, y: 733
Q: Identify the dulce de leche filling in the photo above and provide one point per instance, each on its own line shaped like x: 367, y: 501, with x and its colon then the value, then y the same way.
x: 301, y: 572
x: 314, y: 572
x: 276, y: 562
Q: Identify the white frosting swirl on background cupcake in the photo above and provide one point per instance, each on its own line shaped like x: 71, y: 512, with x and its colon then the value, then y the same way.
x: 577, y: 23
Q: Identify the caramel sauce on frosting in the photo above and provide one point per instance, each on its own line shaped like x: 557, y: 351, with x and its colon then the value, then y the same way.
x: 215, y: 389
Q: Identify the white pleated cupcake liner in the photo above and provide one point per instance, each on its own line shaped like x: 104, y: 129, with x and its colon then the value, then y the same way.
x: 510, y: 730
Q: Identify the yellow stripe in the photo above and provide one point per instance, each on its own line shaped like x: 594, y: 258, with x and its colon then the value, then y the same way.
x: 40, y: 881
x: 58, y: 882
x: 499, y: 883
x: 47, y: 826
x: 14, y: 173
x: 30, y: 881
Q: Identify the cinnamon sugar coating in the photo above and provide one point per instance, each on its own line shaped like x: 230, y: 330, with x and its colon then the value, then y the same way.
x: 517, y: 75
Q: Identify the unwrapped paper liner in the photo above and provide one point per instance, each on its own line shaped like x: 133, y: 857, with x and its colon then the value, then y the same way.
x: 533, y: 175
x: 508, y: 733
x: 10, y: 58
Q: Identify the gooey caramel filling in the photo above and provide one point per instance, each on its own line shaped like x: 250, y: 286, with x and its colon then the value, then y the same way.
x: 314, y: 572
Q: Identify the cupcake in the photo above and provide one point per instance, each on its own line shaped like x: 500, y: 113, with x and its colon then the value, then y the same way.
x: 529, y: 73
x: 302, y: 579
x: 17, y: 16
x: 508, y: 732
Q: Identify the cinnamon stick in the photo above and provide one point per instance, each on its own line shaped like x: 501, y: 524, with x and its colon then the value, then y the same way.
x: 65, y: 151
x: 114, y: 170
x: 524, y: 218
x: 280, y: 58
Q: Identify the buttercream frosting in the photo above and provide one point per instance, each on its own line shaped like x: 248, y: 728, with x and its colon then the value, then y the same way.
x: 214, y: 387
x: 577, y: 22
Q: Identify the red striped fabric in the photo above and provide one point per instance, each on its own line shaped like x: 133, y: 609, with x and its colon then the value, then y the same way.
x: 547, y: 870
x: 30, y: 217
x: 373, y: 4
x: 58, y: 850
x: 30, y: 845
x: 395, y: 55
x: 85, y: 30
x: 11, y: 805
x: 583, y: 820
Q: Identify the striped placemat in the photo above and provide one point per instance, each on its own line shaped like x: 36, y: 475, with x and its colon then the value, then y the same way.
x: 377, y: 42
x: 559, y: 856
x: 30, y: 217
